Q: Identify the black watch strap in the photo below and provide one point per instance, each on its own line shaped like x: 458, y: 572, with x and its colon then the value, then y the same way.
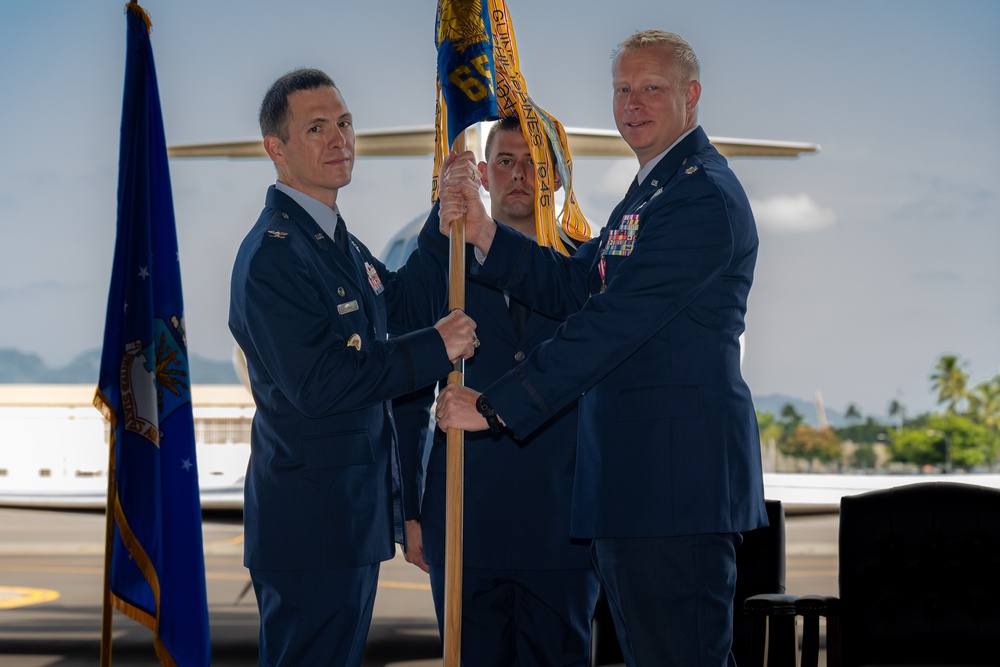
x: 488, y: 412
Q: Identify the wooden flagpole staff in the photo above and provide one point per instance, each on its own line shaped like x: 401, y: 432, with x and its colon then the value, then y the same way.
x: 109, y: 539
x: 474, y: 78
x: 454, y: 481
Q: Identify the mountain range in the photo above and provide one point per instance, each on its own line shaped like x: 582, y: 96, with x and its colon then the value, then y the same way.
x: 18, y: 367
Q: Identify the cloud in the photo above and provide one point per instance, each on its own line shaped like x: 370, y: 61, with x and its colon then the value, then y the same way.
x: 791, y: 214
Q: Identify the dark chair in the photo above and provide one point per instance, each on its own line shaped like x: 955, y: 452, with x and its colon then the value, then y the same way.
x: 919, y: 580
x: 760, y: 568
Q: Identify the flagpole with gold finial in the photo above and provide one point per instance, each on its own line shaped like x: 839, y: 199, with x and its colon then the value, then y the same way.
x: 466, y: 96
x: 109, y: 531
x: 107, y: 613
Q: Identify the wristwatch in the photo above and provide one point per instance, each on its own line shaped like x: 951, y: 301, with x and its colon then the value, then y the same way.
x: 489, y: 412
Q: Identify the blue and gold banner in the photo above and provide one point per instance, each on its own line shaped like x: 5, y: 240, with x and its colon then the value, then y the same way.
x: 157, y: 574
x: 479, y: 78
x: 464, y: 40
x: 541, y: 130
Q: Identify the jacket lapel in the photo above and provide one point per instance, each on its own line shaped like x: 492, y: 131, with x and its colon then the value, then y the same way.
x: 349, y: 266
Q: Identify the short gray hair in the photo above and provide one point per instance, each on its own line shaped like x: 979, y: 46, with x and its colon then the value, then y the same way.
x: 684, y: 56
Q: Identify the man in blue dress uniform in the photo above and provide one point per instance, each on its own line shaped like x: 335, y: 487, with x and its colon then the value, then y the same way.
x: 668, y: 464
x: 310, y: 308
x: 528, y: 589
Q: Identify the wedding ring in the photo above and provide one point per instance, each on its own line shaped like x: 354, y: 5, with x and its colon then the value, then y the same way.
x: 475, y: 342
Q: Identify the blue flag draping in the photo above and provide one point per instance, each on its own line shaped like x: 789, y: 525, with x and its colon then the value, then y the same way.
x: 479, y: 79
x: 464, y: 40
x: 157, y: 565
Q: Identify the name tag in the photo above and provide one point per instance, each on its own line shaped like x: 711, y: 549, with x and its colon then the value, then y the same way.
x: 349, y: 307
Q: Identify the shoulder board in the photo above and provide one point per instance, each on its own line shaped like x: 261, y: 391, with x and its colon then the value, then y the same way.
x: 279, y: 228
x: 690, y: 167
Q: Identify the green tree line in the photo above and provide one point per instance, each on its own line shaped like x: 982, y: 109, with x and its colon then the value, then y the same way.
x: 963, y: 434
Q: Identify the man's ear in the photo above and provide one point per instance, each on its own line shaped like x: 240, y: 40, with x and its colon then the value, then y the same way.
x: 485, y: 175
x: 693, y: 95
x: 274, y: 147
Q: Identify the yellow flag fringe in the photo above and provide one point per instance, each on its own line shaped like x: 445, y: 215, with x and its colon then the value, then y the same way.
x: 540, y: 129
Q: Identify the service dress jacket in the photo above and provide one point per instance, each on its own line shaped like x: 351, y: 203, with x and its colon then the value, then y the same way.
x: 312, y: 322
x: 517, y: 493
x: 668, y: 440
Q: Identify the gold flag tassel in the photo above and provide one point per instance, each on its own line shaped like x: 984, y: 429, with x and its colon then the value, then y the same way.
x: 440, y: 134
x: 540, y: 131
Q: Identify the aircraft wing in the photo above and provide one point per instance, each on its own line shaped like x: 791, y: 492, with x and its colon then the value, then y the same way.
x: 419, y: 142
x: 401, y: 142
x: 584, y: 142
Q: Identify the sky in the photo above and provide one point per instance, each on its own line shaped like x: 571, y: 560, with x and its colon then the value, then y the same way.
x: 877, y: 255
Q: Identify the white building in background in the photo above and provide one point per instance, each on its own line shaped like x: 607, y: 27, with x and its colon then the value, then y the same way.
x: 54, y: 445
x: 54, y: 453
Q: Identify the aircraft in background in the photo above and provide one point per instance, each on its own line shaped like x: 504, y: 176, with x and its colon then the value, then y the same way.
x: 66, y: 464
x: 419, y: 142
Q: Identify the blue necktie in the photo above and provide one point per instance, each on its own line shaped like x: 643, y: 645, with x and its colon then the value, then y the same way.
x: 340, y: 237
x: 631, y: 188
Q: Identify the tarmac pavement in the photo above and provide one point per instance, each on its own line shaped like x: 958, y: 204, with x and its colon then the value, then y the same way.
x: 51, y: 576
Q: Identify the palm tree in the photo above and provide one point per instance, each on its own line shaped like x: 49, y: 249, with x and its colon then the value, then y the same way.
x: 950, y: 381
x: 770, y: 433
x: 984, y: 402
x: 790, y: 415
x: 852, y: 413
x: 984, y: 406
x: 897, y: 410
